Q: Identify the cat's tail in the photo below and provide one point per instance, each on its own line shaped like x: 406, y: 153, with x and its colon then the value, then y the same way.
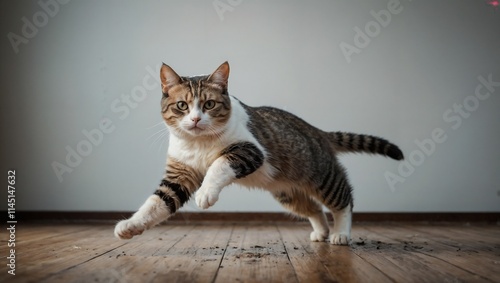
x: 356, y: 143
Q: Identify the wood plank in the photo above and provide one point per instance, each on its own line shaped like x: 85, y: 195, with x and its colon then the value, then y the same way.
x: 36, y: 260
x: 197, y: 257
x: 255, y: 254
x: 304, y: 260
x: 480, y: 258
x: 58, y: 243
x: 477, y: 240
x: 219, y: 252
x: 363, y: 245
x: 491, y: 229
x: 151, y: 241
x: 114, y: 265
x: 183, y: 254
x: 37, y: 232
x: 48, y: 252
x: 490, y: 234
x: 413, y: 256
x: 323, y: 262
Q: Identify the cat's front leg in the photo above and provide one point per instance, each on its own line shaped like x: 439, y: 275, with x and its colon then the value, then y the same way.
x: 175, y: 189
x: 219, y: 175
x: 151, y: 213
x: 236, y: 161
x: 166, y: 200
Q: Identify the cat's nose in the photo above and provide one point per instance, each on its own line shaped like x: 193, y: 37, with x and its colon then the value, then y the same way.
x: 196, y: 120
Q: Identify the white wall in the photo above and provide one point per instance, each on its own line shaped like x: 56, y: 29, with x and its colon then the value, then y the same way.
x: 67, y: 75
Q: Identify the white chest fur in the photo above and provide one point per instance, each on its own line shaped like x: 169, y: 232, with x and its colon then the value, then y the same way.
x: 200, y: 154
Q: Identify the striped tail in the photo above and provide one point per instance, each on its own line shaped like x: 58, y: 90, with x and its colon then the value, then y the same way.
x: 355, y: 143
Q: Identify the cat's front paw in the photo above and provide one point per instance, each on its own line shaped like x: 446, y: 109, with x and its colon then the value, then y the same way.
x: 126, y: 229
x: 206, y: 198
x: 340, y: 239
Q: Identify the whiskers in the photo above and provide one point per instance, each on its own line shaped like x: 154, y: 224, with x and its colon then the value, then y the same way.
x: 159, y: 137
x: 156, y: 125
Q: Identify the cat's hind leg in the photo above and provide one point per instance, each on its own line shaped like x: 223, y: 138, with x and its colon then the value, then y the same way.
x: 341, y: 234
x: 336, y: 195
x: 175, y: 189
x: 302, y: 205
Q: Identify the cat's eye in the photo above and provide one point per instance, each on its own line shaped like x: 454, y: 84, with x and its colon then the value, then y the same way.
x: 209, y: 104
x: 182, y: 105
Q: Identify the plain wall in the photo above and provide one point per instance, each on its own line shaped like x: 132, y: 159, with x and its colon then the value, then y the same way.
x: 86, y: 57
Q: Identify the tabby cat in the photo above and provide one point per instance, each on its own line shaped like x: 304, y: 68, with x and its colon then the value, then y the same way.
x: 216, y: 140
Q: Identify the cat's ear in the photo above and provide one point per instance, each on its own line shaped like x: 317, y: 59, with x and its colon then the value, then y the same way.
x: 221, y: 75
x: 169, y: 78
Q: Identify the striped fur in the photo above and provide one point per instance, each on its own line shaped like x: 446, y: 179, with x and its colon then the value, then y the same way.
x: 216, y: 140
x: 244, y: 158
x: 356, y: 143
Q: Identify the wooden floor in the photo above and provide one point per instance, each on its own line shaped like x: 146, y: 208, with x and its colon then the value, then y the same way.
x: 242, y: 252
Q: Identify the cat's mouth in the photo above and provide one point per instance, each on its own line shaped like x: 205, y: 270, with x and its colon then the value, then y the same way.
x: 196, y: 129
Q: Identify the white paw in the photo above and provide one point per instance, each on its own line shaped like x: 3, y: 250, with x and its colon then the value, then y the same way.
x: 206, y: 198
x: 318, y: 236
x: 340, y: 239
x: 126, y: 229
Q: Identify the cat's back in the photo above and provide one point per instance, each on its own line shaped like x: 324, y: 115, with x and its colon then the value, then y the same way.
x: 294, y: 146
x: 265, y: 120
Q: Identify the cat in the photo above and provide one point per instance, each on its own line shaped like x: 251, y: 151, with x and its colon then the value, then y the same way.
x: 216, y: 140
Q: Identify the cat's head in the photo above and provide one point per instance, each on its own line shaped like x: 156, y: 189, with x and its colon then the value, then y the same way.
x: 195, y: 106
